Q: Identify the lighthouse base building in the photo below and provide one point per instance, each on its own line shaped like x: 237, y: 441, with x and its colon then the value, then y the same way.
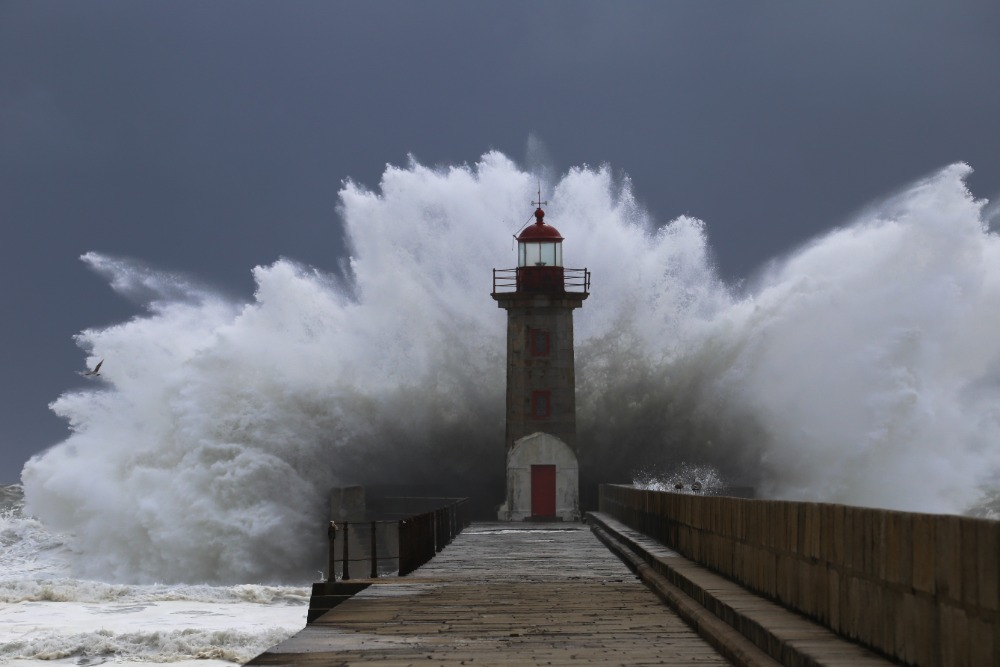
x: 540, y: 296
x: 543, y: 480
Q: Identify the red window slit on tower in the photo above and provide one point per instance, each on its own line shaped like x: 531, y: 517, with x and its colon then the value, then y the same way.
x: 539, y: 339
x: 541, y: 404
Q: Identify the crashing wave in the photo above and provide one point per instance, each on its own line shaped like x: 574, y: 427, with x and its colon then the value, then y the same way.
x: 862, y: 368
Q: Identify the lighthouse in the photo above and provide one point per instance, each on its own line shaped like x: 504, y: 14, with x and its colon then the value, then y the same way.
x: 539, y: 297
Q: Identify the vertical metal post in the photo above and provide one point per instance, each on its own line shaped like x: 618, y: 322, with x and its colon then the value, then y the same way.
x: 429, y: 546
x: 442, y: 533
x: 403, y: 547
x: 347, y: 538
x: 331, y: 534
x: 374, y: 573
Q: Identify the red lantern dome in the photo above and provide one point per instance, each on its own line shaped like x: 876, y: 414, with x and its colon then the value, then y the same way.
x: 540, y: 231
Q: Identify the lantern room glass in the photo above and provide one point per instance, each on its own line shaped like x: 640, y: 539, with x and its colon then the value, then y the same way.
x: 539, y: 253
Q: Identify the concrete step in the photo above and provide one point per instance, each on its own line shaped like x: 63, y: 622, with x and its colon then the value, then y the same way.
x: 746, y: 628
x: 340, y: 587
x: 314, y: 614
x: 328, y: 594
x: 327, y: 601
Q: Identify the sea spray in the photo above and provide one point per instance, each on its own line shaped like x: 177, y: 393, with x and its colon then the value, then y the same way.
x: 685, y: 478
x: 862, y: 368
x: 871, y: 359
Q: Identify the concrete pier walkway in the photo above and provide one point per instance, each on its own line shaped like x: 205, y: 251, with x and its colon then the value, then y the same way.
x: 504, y: 594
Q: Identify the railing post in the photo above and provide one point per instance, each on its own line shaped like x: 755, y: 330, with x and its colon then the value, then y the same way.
x: 419, y: 540
x: 430, y: 541
x: 374, y: 573
x: 403, y: 545
x: 438, y: 533
x: 452, y: 520
x: 331, y: 534
x: 347, y: 538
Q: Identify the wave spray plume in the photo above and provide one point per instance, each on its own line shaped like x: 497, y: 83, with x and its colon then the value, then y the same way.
x: 863, y: 368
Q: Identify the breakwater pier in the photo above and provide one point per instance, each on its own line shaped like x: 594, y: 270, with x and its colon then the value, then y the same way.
x: 669, y: 579
x: 657, y: 578
x: 504, y: 594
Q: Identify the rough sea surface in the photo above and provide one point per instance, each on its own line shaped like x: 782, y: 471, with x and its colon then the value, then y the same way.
x: 48, y: 614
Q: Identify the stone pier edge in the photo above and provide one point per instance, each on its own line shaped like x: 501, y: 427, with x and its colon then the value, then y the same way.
x: 748, y: 630
x: 921, y: 589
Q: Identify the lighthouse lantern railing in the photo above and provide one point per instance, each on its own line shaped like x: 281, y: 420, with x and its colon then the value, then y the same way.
x: 573, y: 280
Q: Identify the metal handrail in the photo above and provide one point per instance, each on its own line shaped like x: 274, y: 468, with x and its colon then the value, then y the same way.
x: 577, y: 278
x: 419, y: 537
x: 574, y: 280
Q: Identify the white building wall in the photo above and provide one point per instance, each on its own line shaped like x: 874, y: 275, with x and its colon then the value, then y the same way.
x: 541, y: 449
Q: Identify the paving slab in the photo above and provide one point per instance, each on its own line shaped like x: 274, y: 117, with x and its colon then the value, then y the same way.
x: 504, y: 594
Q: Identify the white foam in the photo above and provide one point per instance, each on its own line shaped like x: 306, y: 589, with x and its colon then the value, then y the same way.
x: 686, y: 479
x: 47, y: 615
x: 863, y: 368
x: 160, y: 632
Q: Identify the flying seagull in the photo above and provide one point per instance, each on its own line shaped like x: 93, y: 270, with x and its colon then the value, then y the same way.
x: 97, y: 369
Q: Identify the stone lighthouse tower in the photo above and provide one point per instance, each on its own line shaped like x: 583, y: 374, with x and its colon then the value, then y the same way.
x: 539, y: 297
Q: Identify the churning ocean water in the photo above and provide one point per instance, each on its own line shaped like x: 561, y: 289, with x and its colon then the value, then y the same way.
x: 47, y: 614
x: 862, y: 368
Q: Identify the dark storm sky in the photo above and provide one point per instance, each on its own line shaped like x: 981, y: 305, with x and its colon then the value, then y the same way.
x: 209, y: 137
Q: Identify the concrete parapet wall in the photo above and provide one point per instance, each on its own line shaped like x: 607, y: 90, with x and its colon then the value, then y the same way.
x: 923, y: 589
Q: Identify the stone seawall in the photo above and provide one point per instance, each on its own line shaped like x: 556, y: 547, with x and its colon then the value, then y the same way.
x: 923, y: 589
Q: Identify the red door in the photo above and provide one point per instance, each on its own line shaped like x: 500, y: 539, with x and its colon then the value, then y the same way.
x: 543, y: 490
